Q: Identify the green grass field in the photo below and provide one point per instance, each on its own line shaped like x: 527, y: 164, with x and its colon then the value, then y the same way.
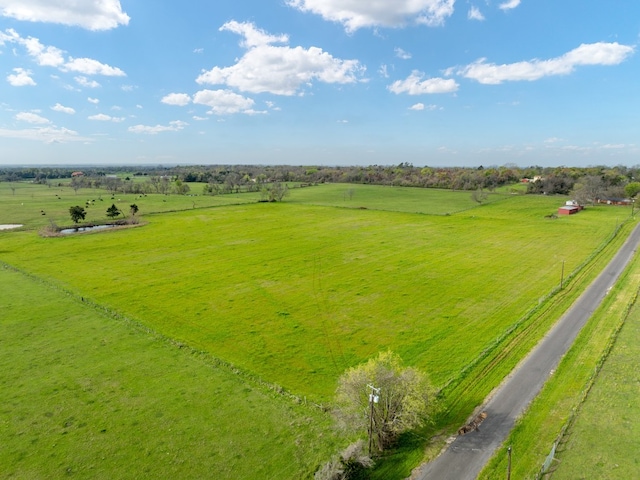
x: 91, y: 396
x: 295, y: 293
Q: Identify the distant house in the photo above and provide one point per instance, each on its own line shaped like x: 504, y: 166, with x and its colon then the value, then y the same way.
x: 77, y: 174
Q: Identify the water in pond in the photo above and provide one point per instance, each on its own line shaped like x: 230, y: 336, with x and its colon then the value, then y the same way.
x: 67, y: 231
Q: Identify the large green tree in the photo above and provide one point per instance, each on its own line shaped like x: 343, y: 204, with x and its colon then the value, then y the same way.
x: 113, y: 211
x: 383, y: 399
x: 77, y: 213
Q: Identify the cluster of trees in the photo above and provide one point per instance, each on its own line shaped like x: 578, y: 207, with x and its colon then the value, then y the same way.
x: 79, y: 213
x: 221, y: 179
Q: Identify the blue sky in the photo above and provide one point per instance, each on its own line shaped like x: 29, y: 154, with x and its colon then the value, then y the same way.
x: 329, y: 82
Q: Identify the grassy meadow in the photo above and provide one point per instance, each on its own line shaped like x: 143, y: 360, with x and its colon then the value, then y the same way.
x: 294, y: 293
x: 87, y: 395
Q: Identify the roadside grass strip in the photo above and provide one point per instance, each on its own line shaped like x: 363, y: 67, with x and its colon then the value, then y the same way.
x: 586, y: 412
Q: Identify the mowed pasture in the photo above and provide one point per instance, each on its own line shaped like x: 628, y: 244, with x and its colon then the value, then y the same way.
x: 89, y: 396
x: 296, y: 292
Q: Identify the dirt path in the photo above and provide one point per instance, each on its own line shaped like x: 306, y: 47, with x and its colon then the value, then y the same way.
x: 468, y: 454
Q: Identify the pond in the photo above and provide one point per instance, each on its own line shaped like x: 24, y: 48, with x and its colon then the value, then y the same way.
x: 68, y: 231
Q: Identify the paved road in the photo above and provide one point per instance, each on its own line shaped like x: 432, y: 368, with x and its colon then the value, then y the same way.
x: 468, y: 454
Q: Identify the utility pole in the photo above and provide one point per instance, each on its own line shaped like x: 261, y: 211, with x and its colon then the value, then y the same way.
x: 374, y: 397
x: 509, y: 465
x: 562, y: 275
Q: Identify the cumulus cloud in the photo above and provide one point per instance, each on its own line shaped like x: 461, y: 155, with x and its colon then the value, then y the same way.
x: 44, y: 55
x: 20, y: 78
x: 85, y: 82
x: 224, y: 102
x: 95, y: 101
x: 509, y: 5
x: 415, y: 85
x: 179, y: 99
x: 61, y: 108
x: 280, y: 70
x: 586, y: 54
x: 31, y: 117
x: 101, y: 117
x: 174, y: 126
x: 475, y: 14
x: 89, y: 66
x: 50, y: 56
x: 93, y: 15
x: 355, y: 14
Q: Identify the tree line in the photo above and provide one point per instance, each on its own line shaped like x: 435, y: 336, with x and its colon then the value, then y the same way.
x: 220, y: 179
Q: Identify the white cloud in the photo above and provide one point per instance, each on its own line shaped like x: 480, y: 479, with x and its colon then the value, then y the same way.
x: 179, y: 99
x: 414, y: 85
x: 355, y: 14
x: 31, y: 117
x: 509, y: 5
x: 224, y: 102
x: 475, y: 14
x: 44, y: 55
x: 278, y: 70
x: 49, y: 56
x: 174, y: 126
x: 95, y: 101
x: 44, y: 134
x: 198, y: 50
x: 20, y: 78
x: 400, y: 53
x: 61, y: 108
x: 89, y: 66
x: 586, y: 54
x: 422, y: 106
x: 253, y: 37
x: 101, y: 117
x: 92, y: 15
x: 85, y: 82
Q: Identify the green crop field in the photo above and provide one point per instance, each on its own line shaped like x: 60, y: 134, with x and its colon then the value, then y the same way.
x: 294, y: 293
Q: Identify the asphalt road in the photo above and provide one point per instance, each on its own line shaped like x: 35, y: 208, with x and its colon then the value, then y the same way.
x: 467, y: 455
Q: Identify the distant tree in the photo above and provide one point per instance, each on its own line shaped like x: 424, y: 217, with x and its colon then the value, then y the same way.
x: 113, y: 211
x: 589, y: 189
x: 402, y: 399
x: 133, y: 208
x: 632, y: 189
x: 181, y: 188
x: 274, y: 192
x: 77, y: 213
x: 479, y: 195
